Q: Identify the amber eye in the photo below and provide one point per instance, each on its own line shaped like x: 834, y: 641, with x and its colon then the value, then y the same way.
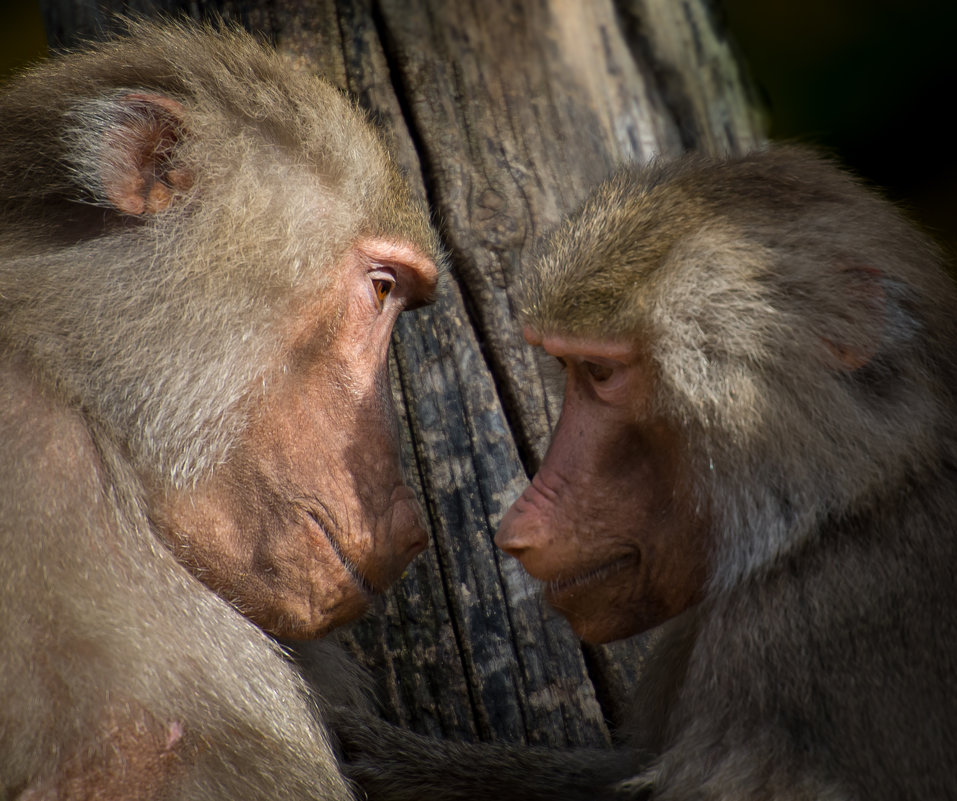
x: 382, y: 289
x: 598, y: 372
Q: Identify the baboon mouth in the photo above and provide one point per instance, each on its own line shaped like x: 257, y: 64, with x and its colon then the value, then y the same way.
x: 596, y: 575
x: 330, y: 531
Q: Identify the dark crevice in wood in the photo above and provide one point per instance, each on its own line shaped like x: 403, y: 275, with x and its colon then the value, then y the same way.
x: 610, y: 707
x: 495, y: 361
x: 498, y: 367
x: 443, y: 554
x: 402, y: 94
x: 667, y: 81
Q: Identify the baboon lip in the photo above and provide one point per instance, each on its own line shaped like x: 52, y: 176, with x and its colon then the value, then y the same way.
x: 592, y: 576
x: 330, y: 532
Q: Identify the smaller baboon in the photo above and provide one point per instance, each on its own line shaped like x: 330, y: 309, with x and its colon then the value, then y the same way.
x: 202, y: 255
x: 757, y: 449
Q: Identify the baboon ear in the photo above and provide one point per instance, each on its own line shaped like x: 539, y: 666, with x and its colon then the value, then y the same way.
x: 138, y: 170
x: 857, y: 333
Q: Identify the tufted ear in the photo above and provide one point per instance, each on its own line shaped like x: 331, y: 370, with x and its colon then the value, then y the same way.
x: 138, y: 170
x: 857, y: 338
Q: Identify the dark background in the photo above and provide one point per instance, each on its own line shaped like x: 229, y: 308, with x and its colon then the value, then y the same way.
x: 874, y: 81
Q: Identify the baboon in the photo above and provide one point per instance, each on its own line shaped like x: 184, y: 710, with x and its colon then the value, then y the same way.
x: 202, y: 255
x: 757, y: 451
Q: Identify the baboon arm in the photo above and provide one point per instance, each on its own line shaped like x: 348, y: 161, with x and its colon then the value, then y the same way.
x: 393, y: 764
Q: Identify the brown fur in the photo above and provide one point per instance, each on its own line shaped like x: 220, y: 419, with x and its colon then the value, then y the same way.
x: 799, y: 337
x: 176, y: 209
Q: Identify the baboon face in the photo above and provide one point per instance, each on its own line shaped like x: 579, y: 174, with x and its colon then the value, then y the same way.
x: 228, y: 325
x: 308, y: 516
x: 608, y: 522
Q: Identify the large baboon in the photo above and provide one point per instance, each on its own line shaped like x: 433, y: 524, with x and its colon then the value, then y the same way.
x: 757, y: 449
x: 202, y: 255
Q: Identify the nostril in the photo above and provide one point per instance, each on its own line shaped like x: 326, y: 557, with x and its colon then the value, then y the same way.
x: 520, y: 525
x: 516, y: 552
x: 510, y: 536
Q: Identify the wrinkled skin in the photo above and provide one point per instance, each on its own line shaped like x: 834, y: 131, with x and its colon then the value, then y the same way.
x: 309, y: 515
x: 608, y: 522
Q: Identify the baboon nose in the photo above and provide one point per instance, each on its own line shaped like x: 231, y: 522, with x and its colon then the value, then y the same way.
x: 510, y: 536
x: 407, y: 527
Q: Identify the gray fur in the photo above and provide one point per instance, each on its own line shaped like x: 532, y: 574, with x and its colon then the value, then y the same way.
x: 130, y: 350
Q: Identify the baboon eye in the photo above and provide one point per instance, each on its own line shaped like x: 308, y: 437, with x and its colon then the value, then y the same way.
x: 382, y: 287
x: 598, y: 372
